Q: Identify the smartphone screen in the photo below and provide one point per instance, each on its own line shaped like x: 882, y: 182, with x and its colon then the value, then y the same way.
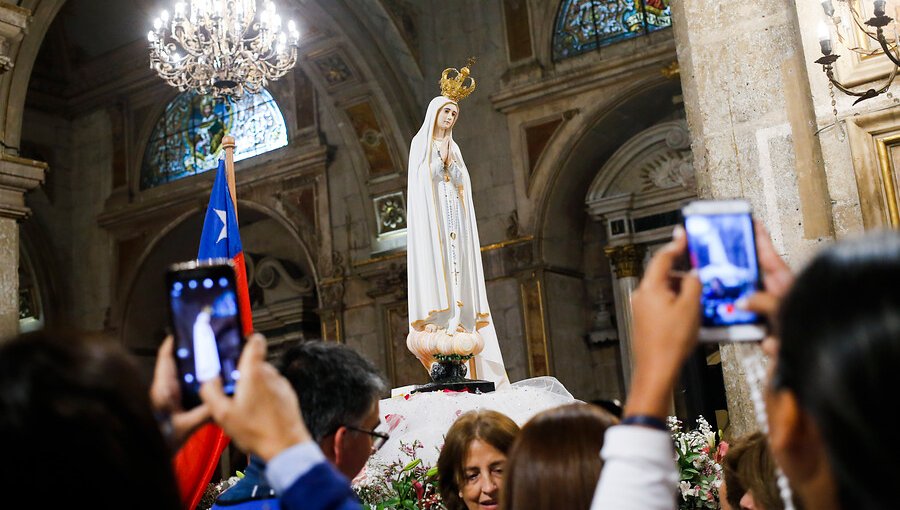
x: 722, y: 247
x: 206, y: 325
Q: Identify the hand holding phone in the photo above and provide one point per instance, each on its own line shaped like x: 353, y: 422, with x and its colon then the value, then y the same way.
x: 165, y: 394
x: 206, y: 324
x: 722, y: 248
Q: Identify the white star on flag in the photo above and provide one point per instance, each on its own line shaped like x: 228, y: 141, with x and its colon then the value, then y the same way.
x: 224, y: 233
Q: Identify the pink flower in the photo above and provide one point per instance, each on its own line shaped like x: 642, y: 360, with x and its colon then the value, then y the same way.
x: 721, y: 451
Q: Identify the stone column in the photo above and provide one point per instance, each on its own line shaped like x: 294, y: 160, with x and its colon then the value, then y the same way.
x: 17, y: 175
x: 750, y: 113
x: 627, y: 263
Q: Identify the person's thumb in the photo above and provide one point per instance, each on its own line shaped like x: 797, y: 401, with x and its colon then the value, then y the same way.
x: 761, y: 302
x: 690, y: 291
x: 211, y: 393
x: 254, y: 351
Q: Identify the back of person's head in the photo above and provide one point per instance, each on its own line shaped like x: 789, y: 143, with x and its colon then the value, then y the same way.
x: 77, y: 426
x: 555, y: 460
x: 336, y: 386
x: 749, y: 467
x: 839, y: 356
x: 493, y: 428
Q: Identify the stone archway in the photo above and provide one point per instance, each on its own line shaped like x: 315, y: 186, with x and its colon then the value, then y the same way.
x: 635, y: 200
x: 279, y: 271
x: 22, y: 30
x: 571, y: 246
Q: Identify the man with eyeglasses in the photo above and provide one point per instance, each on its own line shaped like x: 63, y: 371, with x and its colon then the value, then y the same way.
x: 338, y: 392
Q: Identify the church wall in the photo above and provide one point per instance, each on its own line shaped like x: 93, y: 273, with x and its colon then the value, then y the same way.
x: 48, y: 137
x: 567, y: 328
x: 81, y: 181
x: 598, y: 295
x: 843, y: 160
x: 504, y: 298
x: 92, y: 155
x: 451, y: 33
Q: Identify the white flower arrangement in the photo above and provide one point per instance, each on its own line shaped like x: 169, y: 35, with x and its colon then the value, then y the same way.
x: 698, y: 455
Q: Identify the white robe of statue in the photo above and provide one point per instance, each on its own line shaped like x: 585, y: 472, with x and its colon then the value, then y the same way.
x: 443, y: 250
x: 206, y: 353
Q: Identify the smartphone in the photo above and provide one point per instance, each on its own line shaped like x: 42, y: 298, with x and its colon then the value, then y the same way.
x: 203, y: 311
x: 722, y: 248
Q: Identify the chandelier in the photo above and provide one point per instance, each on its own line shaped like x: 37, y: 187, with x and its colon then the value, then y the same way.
x: 218, y: 47
x: 873, y: 29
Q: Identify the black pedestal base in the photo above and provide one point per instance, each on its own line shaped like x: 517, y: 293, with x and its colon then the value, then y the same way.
x: 470, y: 385
x: 451, y: 375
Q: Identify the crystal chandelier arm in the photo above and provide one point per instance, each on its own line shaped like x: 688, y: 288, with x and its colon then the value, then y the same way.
x: 191, y: 45
x: 887, y: 49
x: 281, y: 66
x: 862, y: 96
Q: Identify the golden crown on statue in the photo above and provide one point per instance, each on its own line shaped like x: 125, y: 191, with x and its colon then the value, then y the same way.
x: 456, y: 88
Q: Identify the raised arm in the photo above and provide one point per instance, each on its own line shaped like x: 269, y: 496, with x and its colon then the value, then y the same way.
x: 639, y: 469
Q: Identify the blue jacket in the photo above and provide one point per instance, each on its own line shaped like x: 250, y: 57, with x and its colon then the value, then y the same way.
x: 321, y: 488
x: 252, y: 492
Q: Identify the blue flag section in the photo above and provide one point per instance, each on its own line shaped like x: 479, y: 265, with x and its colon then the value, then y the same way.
x: 220, y: 237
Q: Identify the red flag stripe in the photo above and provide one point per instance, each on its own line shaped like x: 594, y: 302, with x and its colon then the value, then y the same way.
x: 243, y: 293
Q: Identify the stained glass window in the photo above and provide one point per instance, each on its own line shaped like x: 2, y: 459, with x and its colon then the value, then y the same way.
x: 187, y: 140
x: 585, y: 25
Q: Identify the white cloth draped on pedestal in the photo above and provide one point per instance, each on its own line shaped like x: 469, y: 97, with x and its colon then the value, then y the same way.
x: 426, y: 417
x: 443, y: 250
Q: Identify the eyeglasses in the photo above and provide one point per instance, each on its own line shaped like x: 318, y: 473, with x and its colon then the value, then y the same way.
x: 378, y: 438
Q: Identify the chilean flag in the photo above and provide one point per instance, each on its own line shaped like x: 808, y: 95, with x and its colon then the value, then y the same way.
x: 196, y: 461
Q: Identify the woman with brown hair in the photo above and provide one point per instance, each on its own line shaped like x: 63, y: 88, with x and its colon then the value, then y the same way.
x: 750, y: 480
x: 473, y: 460
x: 555, y: 461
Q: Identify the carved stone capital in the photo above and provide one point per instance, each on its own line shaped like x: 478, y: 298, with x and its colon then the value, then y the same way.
x: 18, y: 176
x: 13, y: 23
x: 627, y: 260
x: 331, y: 294
x: 389, y: 281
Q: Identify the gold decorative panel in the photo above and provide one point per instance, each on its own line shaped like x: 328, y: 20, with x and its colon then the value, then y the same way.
x: 405, y: 368
x: 371, y: 138
x: 331, y: 326
x: 888, y: 148
x: 535, y: 326
x: 875, y: 148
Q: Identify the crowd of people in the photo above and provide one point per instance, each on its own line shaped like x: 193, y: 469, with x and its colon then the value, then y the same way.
x: 77, y: 425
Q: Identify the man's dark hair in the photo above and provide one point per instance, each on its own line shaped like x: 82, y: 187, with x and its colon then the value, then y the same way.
x: 838, y: 355
x: 336, y: 385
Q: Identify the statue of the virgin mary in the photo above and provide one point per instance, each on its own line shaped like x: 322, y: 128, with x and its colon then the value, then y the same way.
x: 448, y: 307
